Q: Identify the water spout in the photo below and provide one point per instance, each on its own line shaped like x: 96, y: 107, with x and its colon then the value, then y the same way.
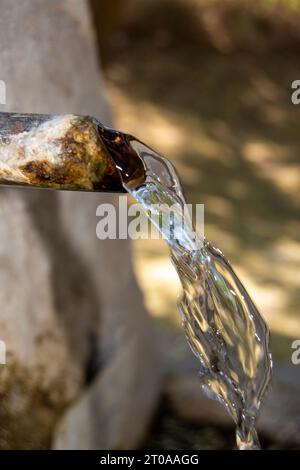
x: 64, y: 152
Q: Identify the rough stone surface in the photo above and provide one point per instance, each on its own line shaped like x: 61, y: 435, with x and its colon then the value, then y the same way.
x: 67, y: 300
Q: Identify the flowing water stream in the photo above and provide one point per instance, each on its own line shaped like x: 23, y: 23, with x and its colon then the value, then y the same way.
x: 223, y: 327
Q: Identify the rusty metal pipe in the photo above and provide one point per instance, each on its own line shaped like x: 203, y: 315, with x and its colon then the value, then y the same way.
x: 65, y: 152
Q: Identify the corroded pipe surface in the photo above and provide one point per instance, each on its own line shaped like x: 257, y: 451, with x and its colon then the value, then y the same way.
x: 63, y: 152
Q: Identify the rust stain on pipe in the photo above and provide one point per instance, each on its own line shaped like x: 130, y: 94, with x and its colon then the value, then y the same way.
x: 57, y: 152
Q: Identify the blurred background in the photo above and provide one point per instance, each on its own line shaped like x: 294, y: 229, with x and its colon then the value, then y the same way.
x: 208, y: 84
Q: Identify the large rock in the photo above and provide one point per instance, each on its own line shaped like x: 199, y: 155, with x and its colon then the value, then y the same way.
x: 70, y: 310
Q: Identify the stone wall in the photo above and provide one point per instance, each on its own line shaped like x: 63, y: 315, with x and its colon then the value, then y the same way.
x: 81, y: 366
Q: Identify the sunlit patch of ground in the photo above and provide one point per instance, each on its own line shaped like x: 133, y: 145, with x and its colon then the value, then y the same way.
x: 228, y: 124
